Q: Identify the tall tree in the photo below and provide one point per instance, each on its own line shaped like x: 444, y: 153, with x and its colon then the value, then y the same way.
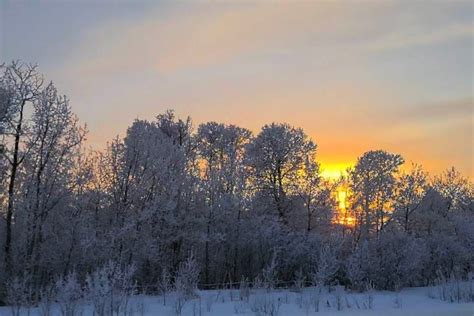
x: 23, y: 84
x: 410, y: 189
x: 276, y: 156
x: 5, y: 105
x: 55, y: 138
x: 372, y: 183
x: 221, y: 151
x: 316, y: 195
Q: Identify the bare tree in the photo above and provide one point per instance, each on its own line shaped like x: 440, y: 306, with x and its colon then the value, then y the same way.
x: 24, y: 84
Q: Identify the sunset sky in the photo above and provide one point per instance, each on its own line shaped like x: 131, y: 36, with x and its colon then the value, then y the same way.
x: 354, y: 75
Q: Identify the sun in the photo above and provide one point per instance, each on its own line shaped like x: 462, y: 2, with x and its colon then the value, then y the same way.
x: 343, y: 215
x: 334, y: 171
x: 331, y: 174
x: 341, y: 200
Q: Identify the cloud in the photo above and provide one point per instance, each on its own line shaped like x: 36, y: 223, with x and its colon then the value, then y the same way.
x: 309, y: 63
x: 447, y: 110
x: 397, y: 40
x: 201, y: 35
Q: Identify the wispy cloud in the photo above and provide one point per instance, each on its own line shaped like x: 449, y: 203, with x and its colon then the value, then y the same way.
x: 437, y: 35
x: 206, y: 35
x: 459, y: 108
x: 352, y: 74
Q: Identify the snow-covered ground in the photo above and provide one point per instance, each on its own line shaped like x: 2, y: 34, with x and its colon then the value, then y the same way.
x: 413, y: 301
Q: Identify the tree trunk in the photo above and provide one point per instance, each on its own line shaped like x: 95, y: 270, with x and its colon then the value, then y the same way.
x: 11, y: 190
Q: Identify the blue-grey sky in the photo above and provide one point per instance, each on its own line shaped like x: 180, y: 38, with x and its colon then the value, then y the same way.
x: 356, y: 75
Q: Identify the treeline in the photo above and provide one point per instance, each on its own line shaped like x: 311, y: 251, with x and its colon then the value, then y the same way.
x: 239, y: 203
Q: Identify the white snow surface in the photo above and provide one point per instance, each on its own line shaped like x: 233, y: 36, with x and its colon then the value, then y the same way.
x: 412, y: 301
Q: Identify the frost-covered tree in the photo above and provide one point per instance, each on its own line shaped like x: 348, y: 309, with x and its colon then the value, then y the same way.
x: 458, y: 190
x: 448, y: 236
x: 316, y: 195
x: 48, y: 183
x: 187, y: 277
x: 148, y: 184
x: 5, y: 101
x: 358, y: 266
x: 326, y: 265
x: 22, y: 84
x: 410, y: 190
x: 396, y: 260
x: 109, y: 288
x: 372, y: 183
x: 5, y: 108
x: 276, y: 156
x: 221, y: 150
x: 68, y: 294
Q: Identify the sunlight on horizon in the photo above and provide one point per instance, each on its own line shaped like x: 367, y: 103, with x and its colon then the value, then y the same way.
x: 343, y: 215
x: 334, y: 171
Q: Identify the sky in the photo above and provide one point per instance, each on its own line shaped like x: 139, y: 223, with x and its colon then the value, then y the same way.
x: 355, y: 75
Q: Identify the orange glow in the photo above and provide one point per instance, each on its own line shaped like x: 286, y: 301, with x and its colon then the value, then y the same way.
x: 341, y: 197
x: 334, y: 171
x: 343, y: 216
